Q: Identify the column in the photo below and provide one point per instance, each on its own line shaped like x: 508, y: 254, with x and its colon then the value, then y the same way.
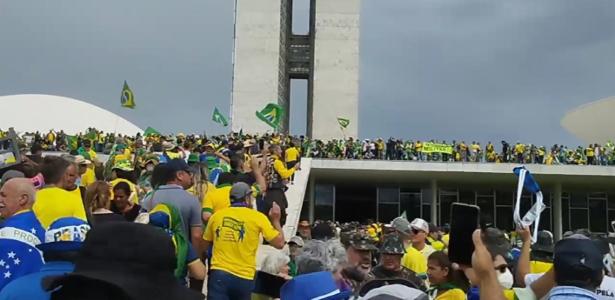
x: 556, y: 208
x: 311, y: 198
x: 434, y: 201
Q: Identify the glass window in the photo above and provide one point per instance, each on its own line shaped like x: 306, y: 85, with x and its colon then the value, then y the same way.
x: 485, y: 193
x: 578, y: 200
x: 546, y: 198
x: 598, y: 222
x: 387, y: 212
x: 445, y: 207
x: 599, y: 195
x: 504, y: 218
x: 578, y: 218
x: 467, y: 197
x: 324, y: 198
x: 545, y: 220
x: 411, y: 204
x: 611, y: 202
x: 388, y: 195
x: 427, y: 213
x: 487, y: 208
x: 565, y: 213
x: 355, y: 203
x: 504, y: 197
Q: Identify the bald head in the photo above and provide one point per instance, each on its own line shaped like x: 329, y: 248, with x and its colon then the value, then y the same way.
x: 16, y: 194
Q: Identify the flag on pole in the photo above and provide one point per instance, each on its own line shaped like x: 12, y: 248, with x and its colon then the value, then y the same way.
x: 150, y: 131
x: 271, y: 114
x: 343, y: 122
x: 527, y: 181
x: 128, y: 98
x: 219, y: 118
x: 91, y: 135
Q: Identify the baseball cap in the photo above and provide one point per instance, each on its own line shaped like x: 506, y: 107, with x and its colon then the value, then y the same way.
x: 576, y: 259
x: 296, y: 240
x: 178, y: 164
x: 239, y: 191
x: 402, y: 225
x: 420, y: 224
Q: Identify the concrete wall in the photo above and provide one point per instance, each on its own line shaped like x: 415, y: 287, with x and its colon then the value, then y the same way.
x: 256, y: 63
x: 336, y: 68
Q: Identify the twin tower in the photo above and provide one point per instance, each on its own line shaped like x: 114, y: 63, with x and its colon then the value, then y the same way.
x: 267, y: 55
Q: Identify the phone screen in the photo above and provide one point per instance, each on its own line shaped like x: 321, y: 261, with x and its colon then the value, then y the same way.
x: 465, y: 219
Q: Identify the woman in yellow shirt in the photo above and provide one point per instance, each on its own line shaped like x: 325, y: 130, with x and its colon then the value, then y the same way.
x: 446, y: 283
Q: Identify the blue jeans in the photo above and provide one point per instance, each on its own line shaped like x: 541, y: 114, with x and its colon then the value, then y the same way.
x: 226, y: 286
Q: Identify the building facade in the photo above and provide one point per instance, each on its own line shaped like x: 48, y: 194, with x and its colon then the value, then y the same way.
x: 268, y: 55
x: 576, y: 196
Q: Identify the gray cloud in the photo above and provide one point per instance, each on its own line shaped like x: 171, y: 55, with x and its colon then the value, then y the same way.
x: 473, y: 69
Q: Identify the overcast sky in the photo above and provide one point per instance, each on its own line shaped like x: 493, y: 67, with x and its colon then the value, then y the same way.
x: 461, y: 69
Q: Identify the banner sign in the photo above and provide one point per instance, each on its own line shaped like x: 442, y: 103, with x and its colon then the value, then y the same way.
x: 439, y: 148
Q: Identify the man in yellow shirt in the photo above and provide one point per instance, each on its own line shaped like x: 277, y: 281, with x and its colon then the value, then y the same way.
x: 413, y: 259
x: 291, y: 157
x: 85, y: 171
x: 235, y: 235
x: 53, y: 201
x: 277, y: 175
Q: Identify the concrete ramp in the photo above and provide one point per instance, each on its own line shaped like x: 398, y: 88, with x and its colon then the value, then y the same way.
x: 295, y: 195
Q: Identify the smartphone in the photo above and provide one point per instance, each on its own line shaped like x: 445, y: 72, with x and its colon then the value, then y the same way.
x: 465, y: 219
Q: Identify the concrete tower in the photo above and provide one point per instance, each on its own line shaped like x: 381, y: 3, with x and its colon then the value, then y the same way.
x: 268, y: 55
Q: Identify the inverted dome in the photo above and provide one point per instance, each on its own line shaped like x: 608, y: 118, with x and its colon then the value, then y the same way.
x: 592, y: 122
x: 29, y: 113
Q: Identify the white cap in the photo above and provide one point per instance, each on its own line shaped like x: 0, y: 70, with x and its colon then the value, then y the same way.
x: 420, y: 224
x: 80, y: 160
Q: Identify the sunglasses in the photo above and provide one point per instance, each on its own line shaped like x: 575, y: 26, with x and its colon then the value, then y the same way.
x: 416, y: 231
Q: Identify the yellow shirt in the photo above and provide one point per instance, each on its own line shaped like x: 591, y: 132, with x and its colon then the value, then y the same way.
x: 92, y: 155
x: 437, y: 245
x: 292, y: 154
x: 415, y: 261
x: 217, y: 199
x: 454, y: 294
x: 537, y: 267
x: 133, y: 189
x: 88, y: 177
x: 53, y: 203
x: 206, y: 187
x: 445, y: 239
x: 235, y: 233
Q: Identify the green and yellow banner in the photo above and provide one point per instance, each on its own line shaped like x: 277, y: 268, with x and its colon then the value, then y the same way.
x: 437, y: 148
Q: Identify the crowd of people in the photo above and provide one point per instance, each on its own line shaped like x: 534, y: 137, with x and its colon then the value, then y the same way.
x: 350, y: 148
x: 189, y: 217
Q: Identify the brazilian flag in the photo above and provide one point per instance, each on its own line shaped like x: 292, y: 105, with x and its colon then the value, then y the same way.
x: 219, y: 118
x: 343, y: 122
x: 128, y: 98
x: 72, y: 142
x: 272, y: 115
x: 151, y: 131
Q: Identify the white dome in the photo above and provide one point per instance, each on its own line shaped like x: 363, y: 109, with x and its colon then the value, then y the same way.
x: 592, y: 122
x: 29, y: 113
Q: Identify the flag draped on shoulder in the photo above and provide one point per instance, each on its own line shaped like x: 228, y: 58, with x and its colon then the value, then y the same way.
x: 128, y: 98
x: 343, y: 122
x: 219, y: 118
x: 272, y: 115
x: 527, y: 182
x: 72, y: 141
